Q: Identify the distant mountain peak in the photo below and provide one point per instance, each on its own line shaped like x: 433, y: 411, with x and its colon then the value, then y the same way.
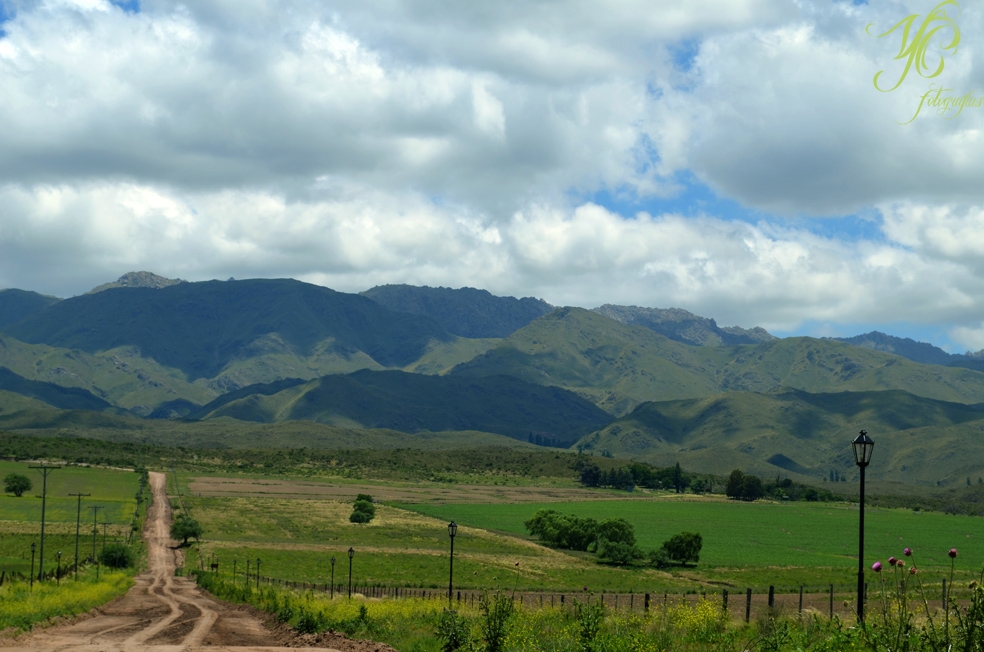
x: 138, y: 280
x: 683, y: 326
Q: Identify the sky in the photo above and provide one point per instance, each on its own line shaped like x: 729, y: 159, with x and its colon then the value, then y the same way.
x: 736, y: 158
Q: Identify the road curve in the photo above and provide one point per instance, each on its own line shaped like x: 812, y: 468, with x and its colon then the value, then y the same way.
x: 161, y: 613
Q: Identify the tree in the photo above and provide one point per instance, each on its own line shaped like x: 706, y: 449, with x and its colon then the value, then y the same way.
x: 17, y: 484
x: 618, y: 552
x: 563, y: 530
x: 363, y: 510
x: 617, y: 530
x: 590, y: 475
x: 184, y: 528
x: 752, y: 488
x: 684, y: 547
x: 735, y: 485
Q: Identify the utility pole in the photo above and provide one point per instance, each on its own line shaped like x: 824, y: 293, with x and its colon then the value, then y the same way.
x: 95, y: 510
x: 78, y: 525
x: 45, y: 470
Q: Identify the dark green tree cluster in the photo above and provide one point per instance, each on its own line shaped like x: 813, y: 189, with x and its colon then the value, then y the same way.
x: 363, y: 510
x: 117, y: 555
x: 184, y: 528
x: 636, y: 475
x: 786, y: 489
x: 17, y: 484
x: 683, y: 548
x: 744, y: 487
x: 612, y: 539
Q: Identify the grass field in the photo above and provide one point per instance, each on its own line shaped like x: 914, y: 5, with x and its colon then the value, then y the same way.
x: 296, y: 525
x: 20, y: 518
x: 811, y: 543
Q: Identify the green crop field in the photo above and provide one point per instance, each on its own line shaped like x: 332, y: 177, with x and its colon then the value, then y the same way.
x: 20, y: 518
x: 793, y: 543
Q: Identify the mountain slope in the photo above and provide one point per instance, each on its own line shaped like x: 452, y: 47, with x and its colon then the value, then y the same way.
x: 199, y: 328
x: 798, y: 432
x: 466, y: 312
x: 684, y: 326
x: 614, y: 365
x: 412, y: 403
x: 64, y: 398
x: 16, y: 305
x: 619, y: 366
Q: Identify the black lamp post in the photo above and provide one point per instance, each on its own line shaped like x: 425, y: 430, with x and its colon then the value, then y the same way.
x: 351, y: 553
x: 33, y: 547
x: 452, y: 530
x: 862, y: 445
x: 332, y: 578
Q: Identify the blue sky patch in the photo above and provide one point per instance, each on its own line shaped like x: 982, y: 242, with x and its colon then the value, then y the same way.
x: 129, y: 6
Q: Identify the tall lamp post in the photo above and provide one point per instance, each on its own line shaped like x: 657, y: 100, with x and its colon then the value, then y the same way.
x: 452, y: 530
x: 332, y: 578
x: 351, y: 553
x: 862, y: 445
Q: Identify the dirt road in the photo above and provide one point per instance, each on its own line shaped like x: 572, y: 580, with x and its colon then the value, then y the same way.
x: 164, y: 613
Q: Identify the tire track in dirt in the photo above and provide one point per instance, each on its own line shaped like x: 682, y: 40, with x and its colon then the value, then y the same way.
x: 164, y: 613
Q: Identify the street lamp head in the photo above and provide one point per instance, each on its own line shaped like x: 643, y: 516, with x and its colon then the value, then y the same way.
x: 351, y: 553
x: 862, y: 445
x: 452, y: 529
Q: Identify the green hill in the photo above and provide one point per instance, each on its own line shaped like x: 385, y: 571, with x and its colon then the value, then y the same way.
x: 412, y: 403
x: 618, y: 366
x: 466, y: 312
x: 16, y: 305
x: 801, y: 433
x: 200, y: 328
x: 65, y: 398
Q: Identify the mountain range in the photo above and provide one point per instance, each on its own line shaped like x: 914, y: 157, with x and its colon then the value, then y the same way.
x: 659, y: 384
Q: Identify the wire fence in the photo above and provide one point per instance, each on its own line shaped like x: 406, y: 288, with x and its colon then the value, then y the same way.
x: 747, y: 604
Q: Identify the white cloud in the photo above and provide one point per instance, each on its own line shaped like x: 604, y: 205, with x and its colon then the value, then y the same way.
x: 363, y: 142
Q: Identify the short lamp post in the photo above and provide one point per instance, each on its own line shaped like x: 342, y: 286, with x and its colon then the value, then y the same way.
x: 351, y: 553
x: 452, y: 530
x: 33, y: 548
x: 332, y: 578
x: 862, y: 445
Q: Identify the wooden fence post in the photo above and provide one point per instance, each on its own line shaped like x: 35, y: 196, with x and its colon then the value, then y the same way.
x: 646, y: 603
x: 772, y: 597
x: 724, y: 600
x: 831, y: 601
x: 801, y: 600
x: 748, y: 604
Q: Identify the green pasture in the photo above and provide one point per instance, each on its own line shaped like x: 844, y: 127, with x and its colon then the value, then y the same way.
x: 744, y: 537
x: 20, y: 518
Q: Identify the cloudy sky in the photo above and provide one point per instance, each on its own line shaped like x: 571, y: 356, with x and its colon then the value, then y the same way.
x: 730, y: 157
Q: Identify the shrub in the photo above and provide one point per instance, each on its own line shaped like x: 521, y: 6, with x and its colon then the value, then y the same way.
x: 496, y: 610
x: 452, y: 630
x: 618, y: 552
x: 117, y: 555
x: 589, y: 618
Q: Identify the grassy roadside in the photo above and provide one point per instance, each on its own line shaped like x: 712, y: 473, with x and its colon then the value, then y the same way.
x: 21, y: 608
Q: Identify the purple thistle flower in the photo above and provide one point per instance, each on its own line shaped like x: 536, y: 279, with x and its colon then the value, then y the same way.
x: 891, y: 561
x: 907, y: 552
x: 952, y: 553
x: 876, y: 567
x: 899, y: 563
